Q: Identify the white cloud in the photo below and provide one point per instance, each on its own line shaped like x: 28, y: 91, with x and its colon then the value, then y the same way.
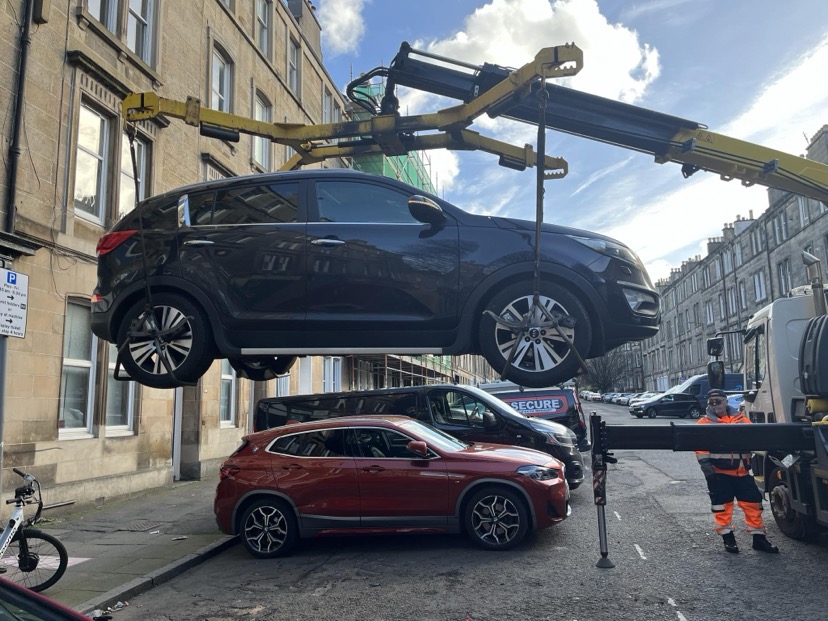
x: 342, y: 25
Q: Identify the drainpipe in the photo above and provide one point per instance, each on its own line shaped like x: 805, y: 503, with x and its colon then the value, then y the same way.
x: 17, y: 121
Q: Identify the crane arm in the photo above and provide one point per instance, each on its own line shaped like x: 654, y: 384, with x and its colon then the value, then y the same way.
x: 389, y: 134
x: 667, y: 138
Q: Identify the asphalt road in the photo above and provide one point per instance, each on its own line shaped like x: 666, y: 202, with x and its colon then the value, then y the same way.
x: 668, y: 565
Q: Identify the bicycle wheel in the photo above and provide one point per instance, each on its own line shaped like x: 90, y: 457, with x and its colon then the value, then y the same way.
x: 34, y: 559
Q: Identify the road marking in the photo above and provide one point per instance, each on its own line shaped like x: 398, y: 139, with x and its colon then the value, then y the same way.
x: 640, y: 552
x: 618, y: 515
x: 672, y: 602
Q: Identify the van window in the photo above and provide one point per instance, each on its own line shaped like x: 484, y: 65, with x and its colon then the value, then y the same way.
x: 457, y: 408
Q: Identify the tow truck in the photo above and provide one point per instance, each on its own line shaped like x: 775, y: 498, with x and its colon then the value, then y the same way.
x: 790, y: 434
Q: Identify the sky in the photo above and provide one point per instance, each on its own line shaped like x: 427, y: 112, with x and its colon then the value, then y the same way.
x: 749, y: 69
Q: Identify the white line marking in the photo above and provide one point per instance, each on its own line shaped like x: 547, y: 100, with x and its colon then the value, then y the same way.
x: 640, y: 552
x: 672, y: 602
x: 618, y: 515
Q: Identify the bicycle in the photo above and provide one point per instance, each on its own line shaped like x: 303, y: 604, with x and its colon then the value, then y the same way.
x: 30, y: 557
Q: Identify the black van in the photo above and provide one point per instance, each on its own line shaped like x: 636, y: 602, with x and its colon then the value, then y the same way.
x: 465, y: 412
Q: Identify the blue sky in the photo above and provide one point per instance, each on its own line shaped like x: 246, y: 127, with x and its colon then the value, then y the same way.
x: 751, y: 69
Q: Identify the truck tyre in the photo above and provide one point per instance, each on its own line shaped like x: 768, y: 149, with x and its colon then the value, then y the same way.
x: 792, y: 524
x: 542, y: 357
x: 184, y: 335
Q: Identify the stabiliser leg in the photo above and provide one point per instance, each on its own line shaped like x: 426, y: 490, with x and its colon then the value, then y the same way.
x: 600, y: 458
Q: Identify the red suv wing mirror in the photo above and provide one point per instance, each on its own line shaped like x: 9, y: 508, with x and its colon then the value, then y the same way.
x: 418, y: 447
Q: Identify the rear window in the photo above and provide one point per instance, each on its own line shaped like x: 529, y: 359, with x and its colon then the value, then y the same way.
x: 160, y: 212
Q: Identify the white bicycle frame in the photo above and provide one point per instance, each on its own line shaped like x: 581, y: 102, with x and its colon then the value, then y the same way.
x: 16, y: 518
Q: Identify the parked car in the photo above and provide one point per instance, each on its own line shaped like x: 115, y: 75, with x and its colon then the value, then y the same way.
x: 262, y: 268
x: 644, y: 396
x: 596, y: 396
x: 668, y: 404
x: 374, y: 474
x: 607, y: 397
x: 622, y: 399
x: 735, y: 401
x: 559, y: 404
x: 19, y: 603
x: 465, y: 412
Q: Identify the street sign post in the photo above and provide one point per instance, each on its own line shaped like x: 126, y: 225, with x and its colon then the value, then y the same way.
x: 14, y: 300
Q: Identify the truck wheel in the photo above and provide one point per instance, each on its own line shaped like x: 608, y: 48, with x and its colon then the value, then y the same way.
x: 792, y: 524
x: 542, y: 358
x: 651, y: 412
x: 184, y: 334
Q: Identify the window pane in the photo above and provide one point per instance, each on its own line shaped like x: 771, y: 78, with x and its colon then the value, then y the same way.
x: 119, y: 402
x: 87, y: 183
x: 90, y: 162
x: 74, y: 397
x: 77, y: 335
x: 342, y: 201
x: 272, y: 204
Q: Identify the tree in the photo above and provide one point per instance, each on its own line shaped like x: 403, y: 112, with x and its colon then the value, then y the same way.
x: 610, y: 370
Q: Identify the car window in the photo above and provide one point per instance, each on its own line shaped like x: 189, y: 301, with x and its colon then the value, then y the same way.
x: 383, y: 444
x: 347, y: 201
x: 201, y: 208
x: 323, y: 443
x: 274, y: 203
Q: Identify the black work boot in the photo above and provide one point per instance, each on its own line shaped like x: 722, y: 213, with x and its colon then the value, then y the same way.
x: 730, y: 543
x: 761, y: 543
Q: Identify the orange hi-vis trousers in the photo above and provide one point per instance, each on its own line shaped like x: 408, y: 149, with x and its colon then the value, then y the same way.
x: 723, y: 488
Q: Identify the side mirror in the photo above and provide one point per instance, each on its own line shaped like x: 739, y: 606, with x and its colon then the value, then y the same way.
x: 418, y: 447
x: 426, y: 210
x: 715, y: 346
x: 715, y: 373
x: 489, y: 420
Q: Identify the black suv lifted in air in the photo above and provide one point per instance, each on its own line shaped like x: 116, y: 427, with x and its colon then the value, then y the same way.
x: 264, y: 268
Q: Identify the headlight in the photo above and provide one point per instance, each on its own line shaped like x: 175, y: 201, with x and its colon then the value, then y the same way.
x: 609, y: 248
x: 566, y: 438
x: 539, y: 473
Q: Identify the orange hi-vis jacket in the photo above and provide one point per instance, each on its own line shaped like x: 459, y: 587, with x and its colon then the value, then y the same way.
x: 733, y: 464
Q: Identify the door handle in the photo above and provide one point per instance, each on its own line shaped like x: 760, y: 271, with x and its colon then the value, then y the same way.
x: 327, y: 241
x: 373, y: 469
x: 198, y: 242
x: 292, y: 467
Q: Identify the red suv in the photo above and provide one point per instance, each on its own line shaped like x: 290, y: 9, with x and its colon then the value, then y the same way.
x: 375, y: 474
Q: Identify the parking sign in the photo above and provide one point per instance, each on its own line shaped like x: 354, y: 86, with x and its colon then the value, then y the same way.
x: 14, y: 295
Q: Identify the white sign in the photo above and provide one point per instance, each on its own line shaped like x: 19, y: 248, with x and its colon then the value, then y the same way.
x: 14, y: 297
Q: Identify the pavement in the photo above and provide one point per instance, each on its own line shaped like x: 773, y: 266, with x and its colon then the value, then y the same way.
x: 123, y: 548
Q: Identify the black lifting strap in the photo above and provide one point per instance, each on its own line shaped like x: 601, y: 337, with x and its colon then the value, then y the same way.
x: 554, y: 319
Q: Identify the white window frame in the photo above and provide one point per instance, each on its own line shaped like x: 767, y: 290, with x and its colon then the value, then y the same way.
x: 332, y: 374
x: 262, y: 147
x: 142, y: 23
x: 102, y: 157
x: 142, y: 148
x: 784, y: 272
x: 742, y: 295
x: 221, y: 94
x: 130, y: 388
x: 708, y: 309
x: 89, y: 365
x: 804, y: 211
x: 264, y: 26
x: 281, y: 385
x: 327, y: 105
x: 759, y: 288
x: 227, y: 400
x: 105, y: 11
x: 294, y: 66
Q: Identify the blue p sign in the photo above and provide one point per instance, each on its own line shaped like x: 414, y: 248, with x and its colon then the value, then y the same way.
x: 11, y: 278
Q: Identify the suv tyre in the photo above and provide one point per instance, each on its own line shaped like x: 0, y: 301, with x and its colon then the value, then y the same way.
x: 185, y: 337
x: 545, y: 360
x: 268, y: 528
x: 496, y: 519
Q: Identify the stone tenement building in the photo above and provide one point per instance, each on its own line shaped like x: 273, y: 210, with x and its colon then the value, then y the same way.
x: 754, y: 262
x: 67, y: 177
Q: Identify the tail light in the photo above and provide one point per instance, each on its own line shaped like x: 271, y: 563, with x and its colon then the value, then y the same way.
x: 110, y: 241
x: 228, y: 471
